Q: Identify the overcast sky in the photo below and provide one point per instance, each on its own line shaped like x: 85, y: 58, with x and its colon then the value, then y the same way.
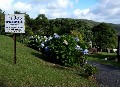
x: 97, y: 10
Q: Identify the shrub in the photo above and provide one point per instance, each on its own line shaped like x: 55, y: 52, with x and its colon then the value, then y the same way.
x: 65, y: 50
x: 87, y: 70
x: 77, y: 35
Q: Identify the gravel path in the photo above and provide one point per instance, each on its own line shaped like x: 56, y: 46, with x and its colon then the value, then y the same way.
x: 107, y: 76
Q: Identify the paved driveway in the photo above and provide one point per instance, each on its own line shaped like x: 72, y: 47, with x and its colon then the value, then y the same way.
x: 107, y: 76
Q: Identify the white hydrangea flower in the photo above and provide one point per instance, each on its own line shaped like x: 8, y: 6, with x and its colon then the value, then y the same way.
x: 77, y: 47
x: 38, y: 37
x: 42, y: 45
x: 45, y: 37
x: 105, y: 58
x: 45, y: 40
x: 36, y: 40
x: 65, y: 42
x: 31, y: 37
x: 50, y: 38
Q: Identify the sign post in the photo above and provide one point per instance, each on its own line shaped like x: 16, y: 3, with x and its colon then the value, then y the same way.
x: 14, y: 48
x: 14, y: 23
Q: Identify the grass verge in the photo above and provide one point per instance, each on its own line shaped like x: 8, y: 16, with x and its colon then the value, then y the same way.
x: 101, y: 56
x: 32, y: 71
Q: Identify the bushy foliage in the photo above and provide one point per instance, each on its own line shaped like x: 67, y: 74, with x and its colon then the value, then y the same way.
x: 2, y: 19
x: 78, y: 35
x: 65, y: 50
x: 104, y: 36
x: 87, y: 70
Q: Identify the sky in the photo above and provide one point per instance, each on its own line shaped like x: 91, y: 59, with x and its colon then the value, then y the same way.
x: 96, y: 10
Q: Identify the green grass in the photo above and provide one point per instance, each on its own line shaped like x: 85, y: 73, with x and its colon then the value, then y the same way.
x: 32, y: 71
x: 101, y: 56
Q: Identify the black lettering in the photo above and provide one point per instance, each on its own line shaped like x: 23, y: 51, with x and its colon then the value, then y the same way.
x: 8, y: 21
x: 12, y: 24
x: 15, y: 21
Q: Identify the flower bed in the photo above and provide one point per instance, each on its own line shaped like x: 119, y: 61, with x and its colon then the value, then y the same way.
x: 64, y: 50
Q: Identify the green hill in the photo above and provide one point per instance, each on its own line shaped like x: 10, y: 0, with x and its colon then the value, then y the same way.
x: 94, y: 23
x: 32, y: 71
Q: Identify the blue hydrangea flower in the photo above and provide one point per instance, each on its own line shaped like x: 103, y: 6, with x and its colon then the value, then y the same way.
x: 81, y: 49
x: 56, y: 35
x: 86, y: 51
x: 76, y: 39
x: 46, y: 49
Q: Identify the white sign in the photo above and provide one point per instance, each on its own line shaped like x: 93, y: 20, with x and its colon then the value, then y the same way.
x: 14, y: 23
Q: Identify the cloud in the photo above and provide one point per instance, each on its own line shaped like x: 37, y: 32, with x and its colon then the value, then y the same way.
x: 9, y: 6
x: 59, y: 4
x: 81, y: 12
x: 20, y: 6
x: 56, y: 8
x: 109, y: 9
x: 58, y: 15
x: 42, y: 11
x: 76, y: 1
x: 103, y: 11
x: 6, y: 4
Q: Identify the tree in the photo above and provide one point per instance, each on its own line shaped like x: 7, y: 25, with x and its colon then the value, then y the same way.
x: 28, y: 25
x: 41, y: 26
x: 2, y: 24
x: 104, y: 36
x: 78, y: 35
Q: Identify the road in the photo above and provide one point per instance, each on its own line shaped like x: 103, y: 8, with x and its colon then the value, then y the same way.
x: 107, y: 76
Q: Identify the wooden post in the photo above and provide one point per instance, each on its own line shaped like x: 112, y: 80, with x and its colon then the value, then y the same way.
x: 14, y: 48
x: 118, y: 50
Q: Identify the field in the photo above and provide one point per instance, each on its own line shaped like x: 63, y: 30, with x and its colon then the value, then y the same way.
x: 32, y: 71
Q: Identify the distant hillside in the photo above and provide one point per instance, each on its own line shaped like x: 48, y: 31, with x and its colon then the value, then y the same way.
x: 93, y: 23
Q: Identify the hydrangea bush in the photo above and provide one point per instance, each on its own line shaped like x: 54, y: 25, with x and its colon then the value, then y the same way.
x: 64, y: 50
